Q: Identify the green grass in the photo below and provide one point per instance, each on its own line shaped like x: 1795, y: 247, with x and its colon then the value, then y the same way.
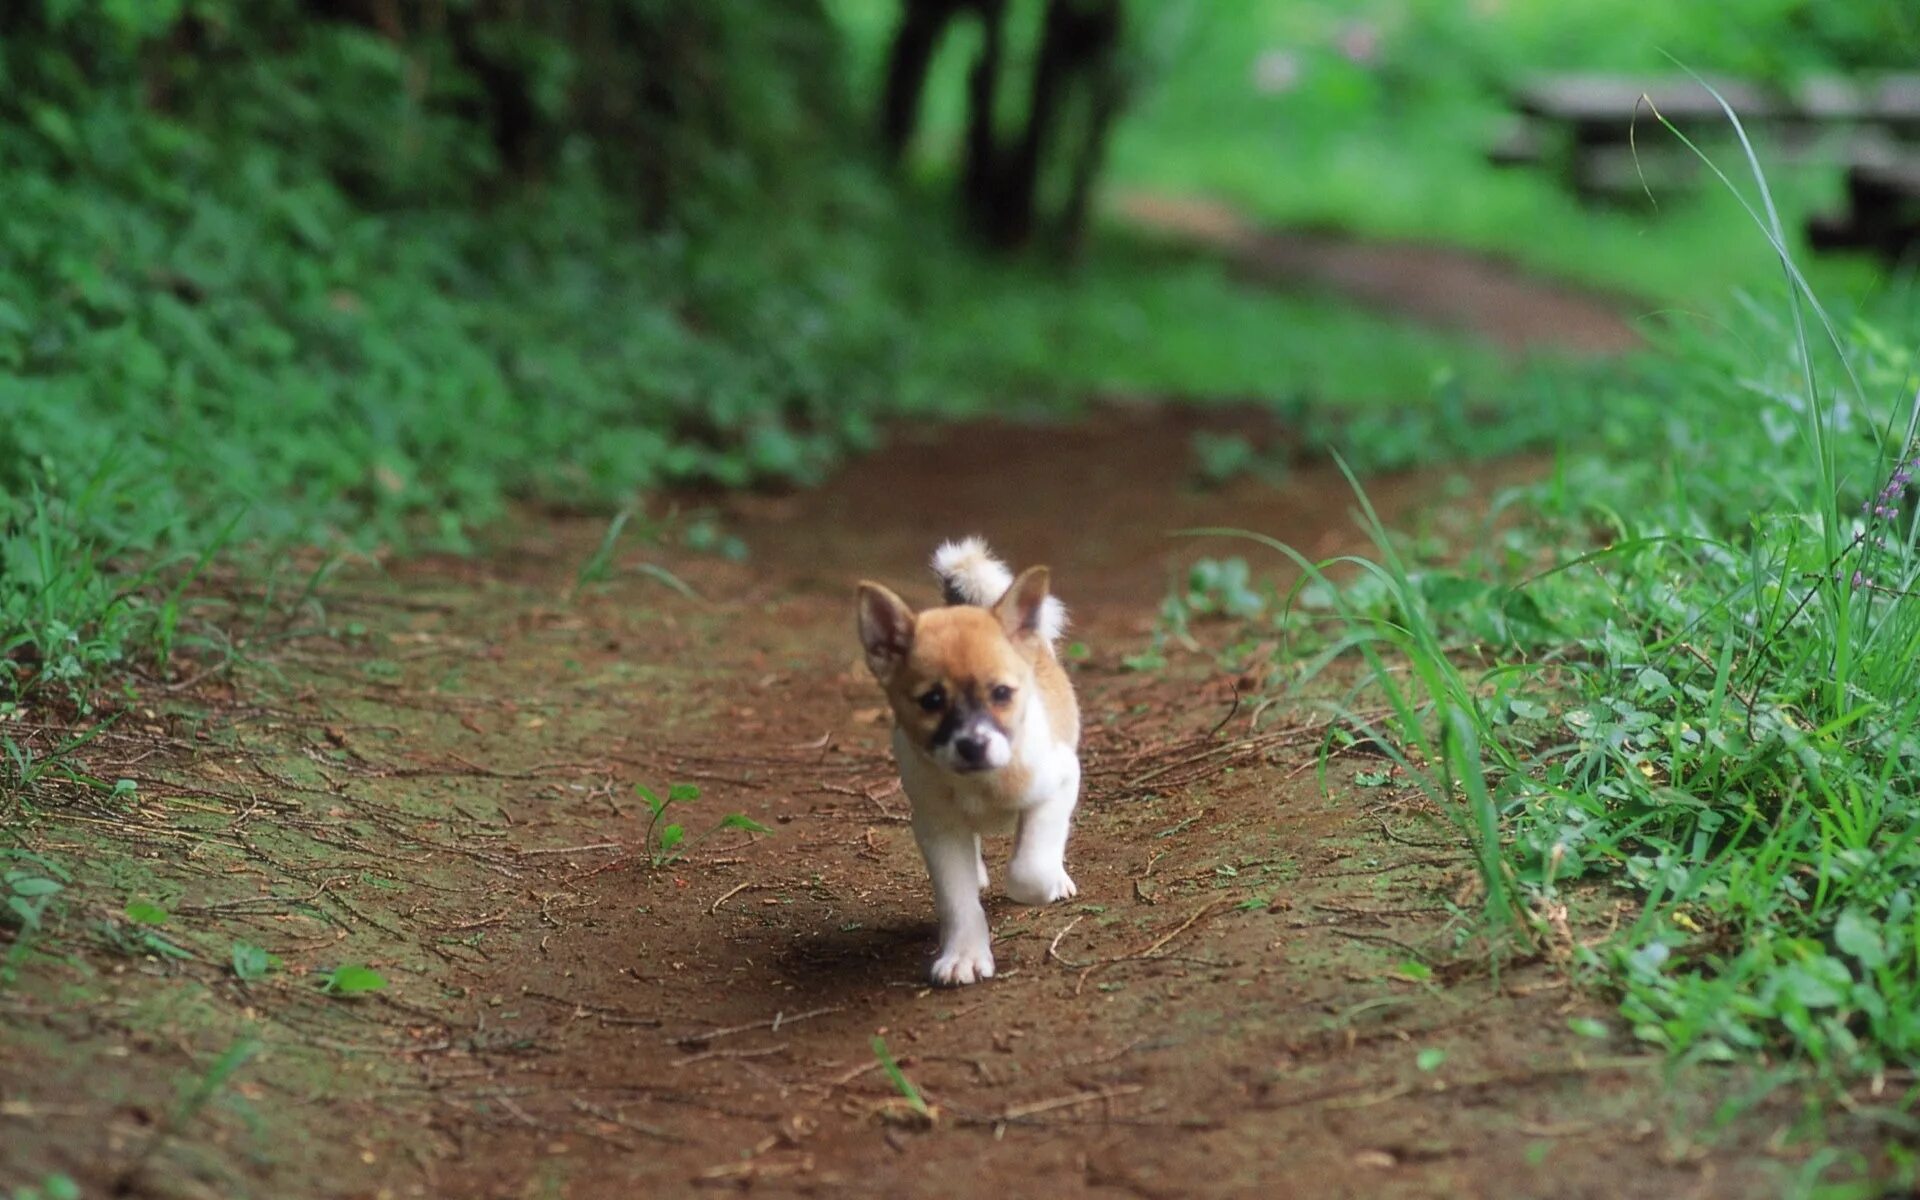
x: 1383, y: 123
x: 223, y: 341
x: 1685, y: 669
x: 1139, y: 320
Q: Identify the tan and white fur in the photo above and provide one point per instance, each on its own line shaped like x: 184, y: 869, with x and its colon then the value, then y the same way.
x: 986, y: 735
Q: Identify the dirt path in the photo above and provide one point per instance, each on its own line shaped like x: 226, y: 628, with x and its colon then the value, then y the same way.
x: 1259, y: 990
x: 1435, y: 285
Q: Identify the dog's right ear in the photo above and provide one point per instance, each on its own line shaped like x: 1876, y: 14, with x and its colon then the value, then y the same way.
x: 886, y: 629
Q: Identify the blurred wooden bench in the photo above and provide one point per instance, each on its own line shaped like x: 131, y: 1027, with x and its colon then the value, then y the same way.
x: 1882, y: 213
x: 1602, y: 135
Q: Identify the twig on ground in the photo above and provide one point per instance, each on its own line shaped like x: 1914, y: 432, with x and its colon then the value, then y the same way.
x: 774, y: 1022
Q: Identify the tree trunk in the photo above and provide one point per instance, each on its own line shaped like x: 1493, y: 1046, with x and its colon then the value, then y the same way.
x: 922, y: 24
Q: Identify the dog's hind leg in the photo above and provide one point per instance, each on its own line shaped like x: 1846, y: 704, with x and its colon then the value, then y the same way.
x: 1038, y: 872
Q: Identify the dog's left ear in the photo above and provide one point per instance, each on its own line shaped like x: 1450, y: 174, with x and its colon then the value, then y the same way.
x: 1019, y: 609
x: 886, y: 629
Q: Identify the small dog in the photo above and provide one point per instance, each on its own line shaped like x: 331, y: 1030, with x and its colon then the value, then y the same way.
x: 986, y: 734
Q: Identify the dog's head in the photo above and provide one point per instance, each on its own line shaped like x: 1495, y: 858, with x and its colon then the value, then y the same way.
x: 959, y: 678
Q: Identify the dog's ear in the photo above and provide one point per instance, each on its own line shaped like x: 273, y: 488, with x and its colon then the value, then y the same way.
x: 886, y: 629
x: 1019, y: 610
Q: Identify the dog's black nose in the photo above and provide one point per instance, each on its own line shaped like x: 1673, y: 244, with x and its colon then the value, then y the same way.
x: 972, y: 750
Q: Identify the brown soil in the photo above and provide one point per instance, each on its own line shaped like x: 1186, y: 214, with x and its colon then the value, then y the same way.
x: 1437, y: 285
x: 1267, y: 986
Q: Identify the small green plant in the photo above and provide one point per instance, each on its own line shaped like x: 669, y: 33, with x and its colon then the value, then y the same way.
x: 599, y: 564
x: 195, y: 1098
x: 667, y: 844
x: 29, y: 884
x: 1223, y: 587
x: 901, y: 1084
x: 351, y: 979
x: 142, y: 912
x: 57, y: 1186
x: 1222, y: 458
x: 251, y: 963
x: 137, y: 936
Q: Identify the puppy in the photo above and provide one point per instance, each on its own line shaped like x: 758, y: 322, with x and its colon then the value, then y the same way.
x: 986, y: 734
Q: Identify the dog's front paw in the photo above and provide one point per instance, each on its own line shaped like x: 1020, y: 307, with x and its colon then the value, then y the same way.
x: 967, y: 962
x: 1040, y: 887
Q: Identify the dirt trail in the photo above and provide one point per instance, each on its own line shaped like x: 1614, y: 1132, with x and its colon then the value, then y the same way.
x: 1257, y: 992
x: 1437, y: 285
x: 1261, y: 989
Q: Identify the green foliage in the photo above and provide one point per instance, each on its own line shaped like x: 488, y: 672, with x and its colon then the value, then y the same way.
x: 57, y: 1186
x: 898, y: 1078
x: 136, y: 939
x: 245, y: 286
x: 668, y: 844
x: 351, y: 979
x: 1376, y: 116
x: 1688, y: 665
x: 29, y: 885
x: 143, y: 912
x: 251, y: 963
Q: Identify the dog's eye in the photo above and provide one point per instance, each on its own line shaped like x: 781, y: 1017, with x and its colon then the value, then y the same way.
x: 1001, y: 693
x: 934, y: 700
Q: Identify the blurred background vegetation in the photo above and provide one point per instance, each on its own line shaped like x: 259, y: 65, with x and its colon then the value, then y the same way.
x: 360, y: 272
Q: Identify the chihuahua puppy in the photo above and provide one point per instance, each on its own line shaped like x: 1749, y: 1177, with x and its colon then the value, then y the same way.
x: 986, y: 734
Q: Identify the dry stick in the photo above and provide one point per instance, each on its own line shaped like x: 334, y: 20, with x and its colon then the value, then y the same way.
x: 705, y: 1055
x: 270, y: 901
x: 571, y: 849
x: 745, y: 887
x: 1015, y: 1112
x: 466, y: 925
x: 1053, y: 948
x: 1277, y: 738
x: 774, y: 1022
x: 1206, y: 909
x: 608, y: 1014
x: 848, y: 1076
x: 626, y: 1123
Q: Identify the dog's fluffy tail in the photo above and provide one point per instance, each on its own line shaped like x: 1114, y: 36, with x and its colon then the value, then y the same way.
x: 970, y: 574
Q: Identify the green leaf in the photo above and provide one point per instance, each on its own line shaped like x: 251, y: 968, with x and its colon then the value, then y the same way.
x: 352, y: 980
x: 1587, y: 1027
x: 682, y: 793
x: 1860, y: 935
x: 1419, y: 972
x: 250, y: 962
x: 741, y: 821
x: 655, y: 804
x: 901, y: 1083
x: 34, y: 885
x: 1430, y: 1058
x: 153, y: 943
x: 671, y: 836
x: 1820, y: 982
x: 142, y: 913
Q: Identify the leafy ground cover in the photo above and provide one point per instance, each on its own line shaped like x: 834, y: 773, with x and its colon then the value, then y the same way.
x: 1681, y: 669
x: 243, y: 317
x: 1375, y: 118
